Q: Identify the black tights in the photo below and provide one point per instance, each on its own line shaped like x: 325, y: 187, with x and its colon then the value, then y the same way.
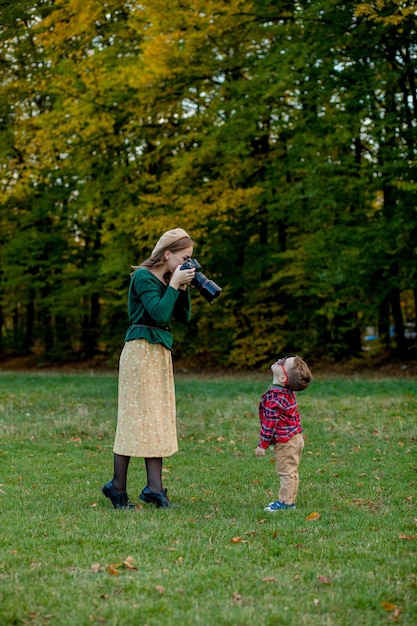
x: 153, y: 472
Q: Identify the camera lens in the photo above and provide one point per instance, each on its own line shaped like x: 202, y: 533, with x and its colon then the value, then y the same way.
x: 208, y: 288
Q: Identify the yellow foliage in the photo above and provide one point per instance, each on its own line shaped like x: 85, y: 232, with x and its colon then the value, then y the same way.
x: 70, y: 20
x: 377, y: 11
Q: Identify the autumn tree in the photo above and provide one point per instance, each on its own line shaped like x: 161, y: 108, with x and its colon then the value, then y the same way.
x: 280, y: 134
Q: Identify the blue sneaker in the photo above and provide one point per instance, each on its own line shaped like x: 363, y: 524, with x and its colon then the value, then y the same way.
x: 278, y: 506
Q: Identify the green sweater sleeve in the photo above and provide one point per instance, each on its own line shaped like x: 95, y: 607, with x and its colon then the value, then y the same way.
x: 154, y: 304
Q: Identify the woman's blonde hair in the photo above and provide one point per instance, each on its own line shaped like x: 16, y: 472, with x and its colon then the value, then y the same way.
x: 156, y: 261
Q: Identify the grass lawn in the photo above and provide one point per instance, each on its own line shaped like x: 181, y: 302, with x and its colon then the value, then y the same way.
x: 68, y: 558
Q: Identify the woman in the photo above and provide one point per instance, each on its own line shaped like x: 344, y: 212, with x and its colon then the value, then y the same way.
x: 146, y: 420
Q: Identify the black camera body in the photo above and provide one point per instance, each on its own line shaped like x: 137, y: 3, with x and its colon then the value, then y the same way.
x: 208, y: 288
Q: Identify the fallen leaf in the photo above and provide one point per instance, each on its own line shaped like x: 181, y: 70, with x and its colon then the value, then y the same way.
x: 324, y: 580
x: 160, y: 588
x: 368, y: 503
x: 113, y: 569
x: 95, y: 568
x: 236, y: 539
x: 395, y: 615
x: 269, y: 579
x: 236, y: 597
x: 408, y: 537
x: 129, y: 562
x: 313, y: 516
x: 388, y: 606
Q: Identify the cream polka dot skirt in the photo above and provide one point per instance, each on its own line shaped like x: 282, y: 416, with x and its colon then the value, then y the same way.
x: 146, y: 419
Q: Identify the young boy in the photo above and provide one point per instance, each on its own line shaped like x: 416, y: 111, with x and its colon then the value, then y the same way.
x: 281, y: 426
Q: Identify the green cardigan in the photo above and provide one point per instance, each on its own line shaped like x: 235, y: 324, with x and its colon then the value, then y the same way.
x: 154, y: 304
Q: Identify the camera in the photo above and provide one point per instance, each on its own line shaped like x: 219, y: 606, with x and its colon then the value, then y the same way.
x: 208, y: 288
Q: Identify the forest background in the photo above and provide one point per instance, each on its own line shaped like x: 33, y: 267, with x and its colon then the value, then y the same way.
x: 281, y: 134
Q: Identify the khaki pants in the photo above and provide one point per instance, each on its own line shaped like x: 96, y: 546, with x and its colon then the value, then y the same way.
x: 287, y: 459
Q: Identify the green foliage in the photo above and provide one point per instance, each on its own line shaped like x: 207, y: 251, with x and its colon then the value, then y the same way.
x: 282, y: 136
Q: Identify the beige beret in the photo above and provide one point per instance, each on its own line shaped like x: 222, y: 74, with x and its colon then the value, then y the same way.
x: 167, y: 239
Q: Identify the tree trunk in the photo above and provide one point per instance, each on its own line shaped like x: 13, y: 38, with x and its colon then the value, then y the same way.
x: 30, y: 318
x: 383, y: 323
x: 90, y: 333
x: 398, y: 319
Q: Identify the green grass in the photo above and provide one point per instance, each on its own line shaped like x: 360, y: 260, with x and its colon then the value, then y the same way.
x: 356, y: 565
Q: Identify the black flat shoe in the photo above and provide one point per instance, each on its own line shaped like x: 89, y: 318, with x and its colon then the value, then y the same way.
x: 118, y: 500
x: 160, y: 500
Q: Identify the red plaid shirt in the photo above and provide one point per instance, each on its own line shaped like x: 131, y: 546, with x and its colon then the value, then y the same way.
x: 279, y: 416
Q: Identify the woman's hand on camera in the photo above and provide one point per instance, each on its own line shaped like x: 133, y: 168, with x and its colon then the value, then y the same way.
x: 180, y: 279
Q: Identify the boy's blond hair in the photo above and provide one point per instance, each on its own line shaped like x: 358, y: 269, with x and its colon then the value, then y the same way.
x: 299, y: 376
